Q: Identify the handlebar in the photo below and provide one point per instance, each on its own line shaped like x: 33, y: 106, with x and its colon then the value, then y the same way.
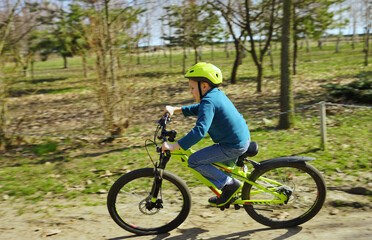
x: 162, y: 124
x: 164, y: 133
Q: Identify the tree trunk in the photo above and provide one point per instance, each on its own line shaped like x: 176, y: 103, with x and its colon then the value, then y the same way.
x: 170, y: 57
x: 200, y: 54
x: 259, y: 77
x: 295, y: 50
x: 320, y: 44
x: 338, y: 43
x: 307, y: 43
x: 286, y: 97
x: 212, y: 51
x: 366, y: 48
x: 196, y: 55
x: 3, y: 114
x: 237, y: 62
x: 32, y: 69
x: 65, y: 63
x: 368, y: 27
x: 295, y: 40
x: 118, y: 61
x: 184, y: 60
x: 227, y: 49
x: 138, y: 55
x: 353, y: 38
x: 85, y: 68
x: 271, y: 59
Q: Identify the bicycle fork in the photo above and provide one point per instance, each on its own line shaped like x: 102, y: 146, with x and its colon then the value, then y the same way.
x: 152, y: 200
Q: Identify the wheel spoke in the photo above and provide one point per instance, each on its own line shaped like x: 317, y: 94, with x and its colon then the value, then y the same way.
x: 129, y: 204
x: 303, y: 186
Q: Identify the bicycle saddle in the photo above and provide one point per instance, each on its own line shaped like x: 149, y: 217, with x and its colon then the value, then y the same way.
x: 252, y: 150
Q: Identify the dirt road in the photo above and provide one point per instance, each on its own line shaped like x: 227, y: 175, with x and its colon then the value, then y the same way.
x: 73, y: 221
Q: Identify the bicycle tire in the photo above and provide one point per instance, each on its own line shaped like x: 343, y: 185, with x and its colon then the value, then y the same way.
x: 307, y: 198
x: 126, y: 199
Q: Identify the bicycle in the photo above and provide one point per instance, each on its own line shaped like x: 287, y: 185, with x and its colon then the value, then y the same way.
x: 280, y: 192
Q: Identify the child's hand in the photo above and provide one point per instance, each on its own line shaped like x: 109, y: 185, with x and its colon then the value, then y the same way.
x: 171, y: 110
x: 170, y: 146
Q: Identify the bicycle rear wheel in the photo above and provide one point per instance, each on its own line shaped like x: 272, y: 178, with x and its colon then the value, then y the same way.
x: 300, y: 181
x: 127, y: 199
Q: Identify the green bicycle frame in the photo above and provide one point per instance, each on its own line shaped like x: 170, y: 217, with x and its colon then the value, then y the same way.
x: 183, y: 157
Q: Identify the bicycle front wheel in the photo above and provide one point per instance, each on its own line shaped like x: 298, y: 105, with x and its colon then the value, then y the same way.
x: 128, y: 196
x: 301, y: 182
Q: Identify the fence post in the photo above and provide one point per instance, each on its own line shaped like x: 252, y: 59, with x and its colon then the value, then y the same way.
x: 323, y: 125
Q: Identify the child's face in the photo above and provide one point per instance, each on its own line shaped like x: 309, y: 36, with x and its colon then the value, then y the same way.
x: 194, y: 90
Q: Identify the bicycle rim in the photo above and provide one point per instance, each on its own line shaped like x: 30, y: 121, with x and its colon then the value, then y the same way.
x: 305, y: 188
x: 127, y: 199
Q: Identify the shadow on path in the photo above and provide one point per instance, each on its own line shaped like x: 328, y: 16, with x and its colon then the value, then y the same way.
x: 192, y: 234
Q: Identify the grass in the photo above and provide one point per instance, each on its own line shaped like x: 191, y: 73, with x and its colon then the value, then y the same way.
x: 74, y: 169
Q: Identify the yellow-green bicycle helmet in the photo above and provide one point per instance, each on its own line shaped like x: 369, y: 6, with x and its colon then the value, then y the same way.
x: 205, y: 70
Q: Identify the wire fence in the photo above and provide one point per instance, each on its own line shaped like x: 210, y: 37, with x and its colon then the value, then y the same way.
x: 322, y: 115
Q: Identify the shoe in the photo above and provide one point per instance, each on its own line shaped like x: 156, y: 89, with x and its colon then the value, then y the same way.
x: 228, y: 192
x: 213, y: 200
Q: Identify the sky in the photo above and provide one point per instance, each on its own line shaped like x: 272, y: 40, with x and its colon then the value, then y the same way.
x: 155, y: 12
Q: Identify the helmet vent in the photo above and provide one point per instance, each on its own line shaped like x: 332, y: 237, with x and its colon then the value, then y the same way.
x: 191, y: 71
x: 216, y: 75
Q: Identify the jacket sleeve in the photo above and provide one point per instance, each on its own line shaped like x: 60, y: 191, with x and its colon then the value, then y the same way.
x: 191, y: 110
x: 205, y: 114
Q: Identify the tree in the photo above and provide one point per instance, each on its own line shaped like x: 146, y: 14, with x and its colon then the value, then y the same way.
x: 77, y: 42
x: 227, y: 10
x: 368, y: 24
x: 6, y: 25
x: 56, y: 36
x: 107, y: 30
x: 311, y: 18
x: 257, y: 19
x: 286, y: 96
x: 262, y: 17
x: 354, y: 14
x: 19, y: 42
x: 171, y: 18
x: 195, y: 25
x: 4, y: 82
x: 339, y: 21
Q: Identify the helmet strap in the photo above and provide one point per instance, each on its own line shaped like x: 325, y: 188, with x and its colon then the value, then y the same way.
x: 200, y: 92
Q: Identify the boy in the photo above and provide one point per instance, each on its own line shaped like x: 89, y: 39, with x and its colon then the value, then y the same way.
x: 225, y: 125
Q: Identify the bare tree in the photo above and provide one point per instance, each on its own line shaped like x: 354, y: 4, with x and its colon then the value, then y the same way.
x: 367, y: 6
x: 108, y: 30
x: 5, y: 82
x: 6, y: 25
x: 257, y: 19
x: 228, y: 10
x: 354, y: 14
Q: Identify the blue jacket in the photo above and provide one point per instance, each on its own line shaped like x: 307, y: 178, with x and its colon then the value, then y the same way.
x: 217, y: 116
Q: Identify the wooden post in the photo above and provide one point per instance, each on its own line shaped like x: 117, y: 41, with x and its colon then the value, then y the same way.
x: 323, y: 125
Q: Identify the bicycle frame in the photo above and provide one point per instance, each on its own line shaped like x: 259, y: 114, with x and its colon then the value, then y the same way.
x: 258, y: 189
x: 182, y: 156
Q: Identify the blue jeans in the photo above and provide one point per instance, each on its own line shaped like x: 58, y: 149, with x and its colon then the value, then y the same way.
x: 201, y: 162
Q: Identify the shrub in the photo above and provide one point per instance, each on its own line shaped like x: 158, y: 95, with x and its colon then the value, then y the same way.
x: 45, y: 148
x: 359, y: 90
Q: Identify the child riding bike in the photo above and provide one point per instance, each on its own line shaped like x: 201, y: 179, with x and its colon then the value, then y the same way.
x: 218, y: 117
